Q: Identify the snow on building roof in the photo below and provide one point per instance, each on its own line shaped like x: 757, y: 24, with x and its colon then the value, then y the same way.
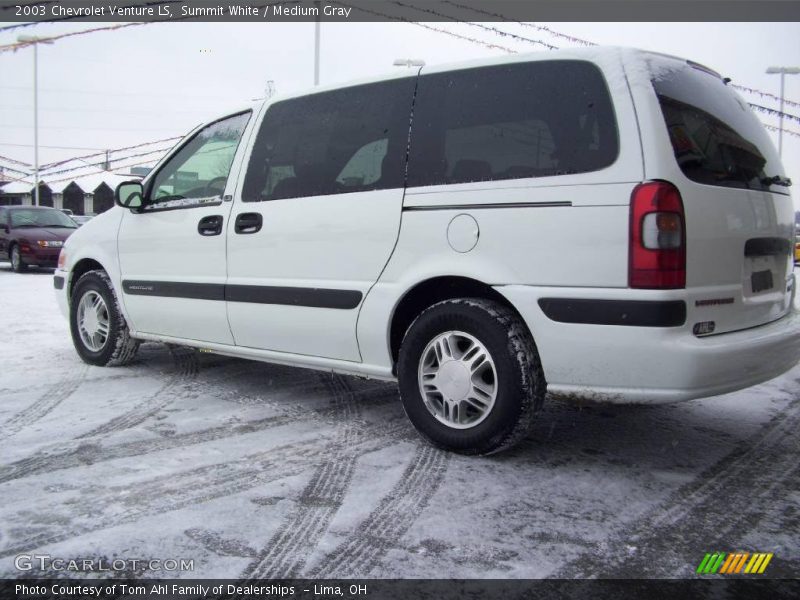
x: 17, y: 187
x: 89, y: 183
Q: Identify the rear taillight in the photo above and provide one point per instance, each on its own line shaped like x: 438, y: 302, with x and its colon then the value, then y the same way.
x: 657, y: 244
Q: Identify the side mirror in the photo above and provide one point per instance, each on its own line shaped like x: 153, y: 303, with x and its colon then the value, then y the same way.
x: 129, y: 194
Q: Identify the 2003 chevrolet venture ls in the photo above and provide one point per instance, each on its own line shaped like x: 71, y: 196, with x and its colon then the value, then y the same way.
x: 604, y: 223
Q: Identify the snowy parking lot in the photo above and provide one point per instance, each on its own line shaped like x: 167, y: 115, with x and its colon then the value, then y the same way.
x: 254, y: 470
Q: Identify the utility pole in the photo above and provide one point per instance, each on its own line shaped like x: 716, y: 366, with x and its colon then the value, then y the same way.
x: 783, y: 71
x: 30, y: 39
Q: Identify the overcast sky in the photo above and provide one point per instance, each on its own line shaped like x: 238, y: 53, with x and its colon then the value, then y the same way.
x: 114, y: 89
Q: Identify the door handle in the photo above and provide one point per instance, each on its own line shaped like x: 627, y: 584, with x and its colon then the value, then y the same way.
x: 209, y: 226
x: 248, y: 223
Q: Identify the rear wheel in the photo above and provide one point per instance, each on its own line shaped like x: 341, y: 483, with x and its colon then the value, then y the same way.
x: 470, y: 376
x: 99, y: 331
x: 16, y: 260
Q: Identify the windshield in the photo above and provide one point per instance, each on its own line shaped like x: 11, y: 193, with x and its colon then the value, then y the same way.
x: 716, y: 138
x: 41, y: 217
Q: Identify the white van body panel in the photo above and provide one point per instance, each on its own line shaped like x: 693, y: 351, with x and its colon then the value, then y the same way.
x: 533, y: 239
x: 95, y: 241
x: 311, y: 243
x: 720, y: 220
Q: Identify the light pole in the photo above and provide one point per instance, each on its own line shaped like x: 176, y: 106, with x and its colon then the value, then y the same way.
x: 783, y: 72
x: 32, y: 39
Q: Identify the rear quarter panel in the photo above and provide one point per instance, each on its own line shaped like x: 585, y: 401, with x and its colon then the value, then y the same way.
x: 719, y: 221
x: 523, y: 238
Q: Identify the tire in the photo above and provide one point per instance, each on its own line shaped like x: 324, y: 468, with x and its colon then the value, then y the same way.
x: 474, y: 423
x: 16, y: 260
x: 114, y: 348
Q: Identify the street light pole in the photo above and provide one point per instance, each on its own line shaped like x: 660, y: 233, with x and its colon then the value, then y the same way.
x: 29, y: 39
x: 783, y: 71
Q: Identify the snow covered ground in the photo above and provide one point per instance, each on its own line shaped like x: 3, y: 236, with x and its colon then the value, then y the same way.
x: 258, y: 470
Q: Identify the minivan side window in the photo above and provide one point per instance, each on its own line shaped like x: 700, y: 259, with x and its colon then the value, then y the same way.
x: 348, y: 140
x: 199, y: 170
x: 514, y: 121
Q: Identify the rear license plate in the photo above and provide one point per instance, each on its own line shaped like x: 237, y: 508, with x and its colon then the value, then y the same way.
x: 761, y: 280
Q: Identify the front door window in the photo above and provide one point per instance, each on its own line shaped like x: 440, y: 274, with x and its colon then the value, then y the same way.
x: 197, y: 174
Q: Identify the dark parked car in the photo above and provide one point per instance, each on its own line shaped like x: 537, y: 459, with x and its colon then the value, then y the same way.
x: 33, y: 235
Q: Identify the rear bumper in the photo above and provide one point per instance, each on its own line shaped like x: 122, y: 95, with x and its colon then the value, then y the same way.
x: 630, y: 364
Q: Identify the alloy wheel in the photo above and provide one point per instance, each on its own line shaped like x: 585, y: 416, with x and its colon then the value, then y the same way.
x: 457, y: 379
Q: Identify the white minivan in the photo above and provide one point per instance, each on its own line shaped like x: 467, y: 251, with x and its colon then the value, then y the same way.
x: 608, y: 224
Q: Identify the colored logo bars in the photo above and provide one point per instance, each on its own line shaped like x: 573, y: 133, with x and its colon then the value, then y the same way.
x: 734, y: 563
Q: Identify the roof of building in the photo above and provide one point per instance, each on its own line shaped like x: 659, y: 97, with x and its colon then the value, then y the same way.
x: 88, y: 183
x: 16, y: 187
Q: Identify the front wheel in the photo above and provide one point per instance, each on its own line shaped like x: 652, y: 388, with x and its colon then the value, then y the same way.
x: 99, y: 331
x: 470, y: 376
x: 16, y: 260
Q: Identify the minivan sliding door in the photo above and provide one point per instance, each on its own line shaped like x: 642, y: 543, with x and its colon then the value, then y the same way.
x: 317, y: 217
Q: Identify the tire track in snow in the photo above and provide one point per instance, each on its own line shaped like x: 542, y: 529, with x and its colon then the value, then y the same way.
x: 366, y: 546
x: 89, y: 453
x: 285, y: 554
x: 94, y: 509
x: 728, y: 494
x: 48, y: 401
x: 186, y: 367
x: 46, y: 386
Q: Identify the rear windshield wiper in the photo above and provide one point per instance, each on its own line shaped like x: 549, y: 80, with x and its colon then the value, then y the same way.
x: 776, y: 180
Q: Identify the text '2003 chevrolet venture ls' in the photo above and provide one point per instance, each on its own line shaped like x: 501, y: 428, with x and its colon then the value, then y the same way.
x: 603, y: 223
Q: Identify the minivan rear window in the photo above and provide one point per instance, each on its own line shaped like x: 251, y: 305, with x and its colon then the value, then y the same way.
x: 716, y: 138
x: 532, y: 119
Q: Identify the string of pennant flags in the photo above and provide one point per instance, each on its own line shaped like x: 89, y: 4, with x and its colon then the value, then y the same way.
x: 573, y: 39
x: 114, y: 151
x: 100, y: 164
x: 484, y: 43
x: 776, y: 113
x: 46, y: 170
x: 15, y: 162
x: 536, y: 26
x: 763, y: 94
x: 785, y: 131
x: 494, y: 30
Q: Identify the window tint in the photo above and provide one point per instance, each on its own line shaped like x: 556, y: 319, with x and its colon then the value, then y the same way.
x: 199, y: 171
x: 347, y: 140
x: 716, y: 138
x: 511, y: 121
